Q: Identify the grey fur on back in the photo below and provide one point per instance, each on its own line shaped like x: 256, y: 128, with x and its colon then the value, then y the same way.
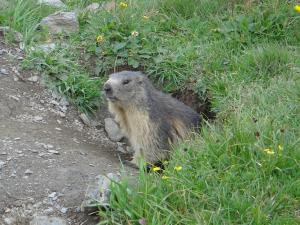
x: 164, y: 108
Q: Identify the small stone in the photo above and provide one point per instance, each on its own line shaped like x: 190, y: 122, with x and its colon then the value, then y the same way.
x: 17, y: 139
x: 98, y: 192
x: 3, y: 71
x: 49, y: 210
x: 94, y: 7
x: 2, y: 164
x: 61, y: 114
x: 28, y: 172
x: 7, y: 210
x: 53, y: 152
x: 85, y: 119
x: 33, y: 79
x: 57, y: 128
x: 37, y: 118
x: 63, y: 210
x: 14, y: 97
x: 112, y: 130
x: 52, y: 195
x: 47, y: 220
x: 42, y: 154
x: 61, y: 22
x: 47, y: 146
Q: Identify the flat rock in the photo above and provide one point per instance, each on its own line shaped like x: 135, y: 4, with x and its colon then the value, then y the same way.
x: 61, y: 22
x: 112, y: 129
x: 98, y: 192
x: 53, y: 3
x: 47, y: 220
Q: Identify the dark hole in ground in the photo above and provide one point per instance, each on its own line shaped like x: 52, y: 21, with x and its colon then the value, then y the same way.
x: 190, y: 98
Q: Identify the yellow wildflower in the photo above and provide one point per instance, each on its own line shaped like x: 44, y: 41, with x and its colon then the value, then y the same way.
x: 269, y: 151
x: 134, y: 33
x: 165, y: 177
x: 280, y: 147
x: 297, y: 8
x: 123, y: 5
x: 156, y: 168
x: 100, y: 39
x: 178, y: 168
x: 146, y: 17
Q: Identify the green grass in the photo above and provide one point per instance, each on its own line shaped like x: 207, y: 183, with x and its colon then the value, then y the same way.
x: 244, y: 167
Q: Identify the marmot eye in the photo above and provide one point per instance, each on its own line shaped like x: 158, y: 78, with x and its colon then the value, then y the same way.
x: 126, y: 82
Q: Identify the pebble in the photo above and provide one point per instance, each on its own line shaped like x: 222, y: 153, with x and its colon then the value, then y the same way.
x: 3, y: 71
x: 52, y: 195
x: 49, y: 210
x: 28, y: 172
x: 33, y: 79
x: 48, y: 146
x: 2, y: 164
x: 63, y: 210
x: 38, y: 118
x: 53, y: 152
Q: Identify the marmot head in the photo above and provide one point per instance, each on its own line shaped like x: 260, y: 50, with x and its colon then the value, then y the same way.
x: 125, y: 87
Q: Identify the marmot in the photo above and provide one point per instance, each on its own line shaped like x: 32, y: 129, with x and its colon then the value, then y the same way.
x: 150, y: 119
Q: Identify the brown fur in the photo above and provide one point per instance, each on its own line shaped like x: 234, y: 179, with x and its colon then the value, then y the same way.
x: 151, y: 120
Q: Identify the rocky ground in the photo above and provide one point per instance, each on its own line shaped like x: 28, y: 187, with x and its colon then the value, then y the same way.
x: 47, y: 154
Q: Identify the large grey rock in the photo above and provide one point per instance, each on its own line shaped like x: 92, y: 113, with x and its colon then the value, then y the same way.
x: 47, y: 220
x: 61, y: 22
x: 98, y: 192
x: 53, y: 3
x: 112, y: 129
x: 18, y: 37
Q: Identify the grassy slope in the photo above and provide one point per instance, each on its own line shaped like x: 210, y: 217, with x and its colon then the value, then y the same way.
x: 245, y: 167
x: 249, y: 61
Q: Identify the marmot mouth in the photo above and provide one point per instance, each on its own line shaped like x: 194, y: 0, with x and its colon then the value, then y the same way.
x: 112, y: 98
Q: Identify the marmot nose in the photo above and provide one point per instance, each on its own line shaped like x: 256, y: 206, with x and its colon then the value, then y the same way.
x: 107, y: 89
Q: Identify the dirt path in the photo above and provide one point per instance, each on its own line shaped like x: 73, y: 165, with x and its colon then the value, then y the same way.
x: 46, y: 159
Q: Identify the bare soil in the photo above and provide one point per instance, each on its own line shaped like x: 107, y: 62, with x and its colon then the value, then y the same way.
x: 46, y: 158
